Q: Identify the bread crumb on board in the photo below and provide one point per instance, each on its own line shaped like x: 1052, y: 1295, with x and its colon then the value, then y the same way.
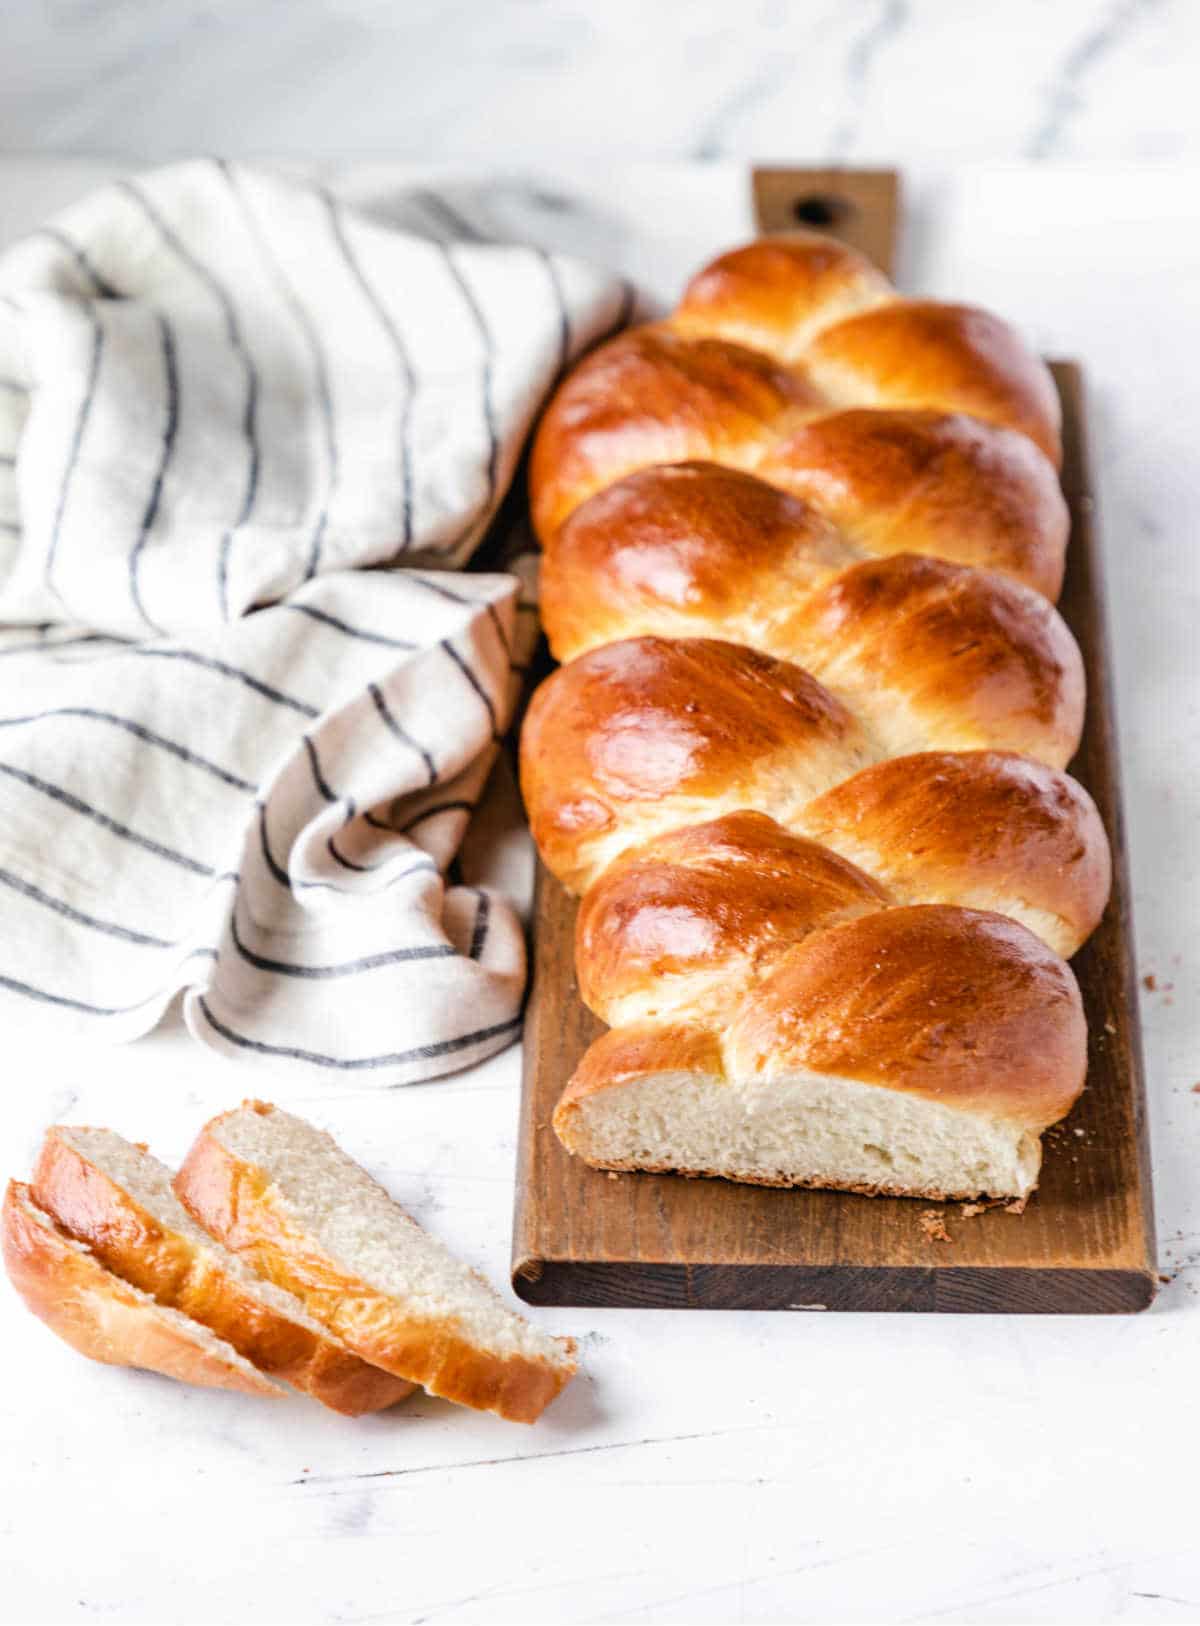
x: 934, y: 1225
x: 1010, y: 1205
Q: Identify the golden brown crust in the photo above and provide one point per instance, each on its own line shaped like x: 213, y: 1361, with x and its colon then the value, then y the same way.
x: 931, y: 653
x: 983, y: 828
x: 100, y: 1315
x: 824, y: 309
x: 680, y: 548
x: 698, y: 911
x: 952, y: 358
x: 626, y: 1055
x: 909, y: 576
x: 773, y: 334
x: 237, y: 1202
x: 955, y: 1005
x: 634, y: 737
x: 655, y: 396
x: 776, y: 293
x: 902, y: 481
x: 173, y: 1269
x: 966, y: 658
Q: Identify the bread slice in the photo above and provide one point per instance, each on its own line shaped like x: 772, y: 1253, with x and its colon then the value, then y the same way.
x: 285, y: 1198
x: 117, y: 1198
x: 97, y: 1313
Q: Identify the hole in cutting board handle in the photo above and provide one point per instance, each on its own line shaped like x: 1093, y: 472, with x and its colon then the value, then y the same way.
x: 823, y: 209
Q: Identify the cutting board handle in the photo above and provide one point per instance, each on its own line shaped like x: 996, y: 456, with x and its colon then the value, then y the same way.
x: 860, y: 207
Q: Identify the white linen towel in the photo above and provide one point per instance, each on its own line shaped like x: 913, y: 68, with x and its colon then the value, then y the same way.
x: 234, y: 760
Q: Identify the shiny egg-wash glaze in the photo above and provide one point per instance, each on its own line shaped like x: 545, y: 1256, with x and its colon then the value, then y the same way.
x: 801, y: 544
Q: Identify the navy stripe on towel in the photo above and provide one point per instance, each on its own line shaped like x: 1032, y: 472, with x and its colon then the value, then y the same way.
x: 192, y: 758
x: 479, y: 935
x: 316, y: 352
x: 478, y: 687
x: 339, y: 625
x: 109, y: 927
x: 427, y: 1052
x: 408, y: 377
x: 381, y: 706
x: 113, y: 826
x: 81, y: 418
x: 349, y: 968
x: 170, y: 429
x: 225, y: 670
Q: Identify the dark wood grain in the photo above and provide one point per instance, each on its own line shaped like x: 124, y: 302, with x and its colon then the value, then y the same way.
x: 1085, y: 1244
x: 858, y: 206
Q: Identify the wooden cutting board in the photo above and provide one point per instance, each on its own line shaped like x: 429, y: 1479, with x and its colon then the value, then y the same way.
x: 1086, y: 1242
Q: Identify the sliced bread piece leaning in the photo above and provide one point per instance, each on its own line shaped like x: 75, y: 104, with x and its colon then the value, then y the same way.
x: 97, y: 1313
x: 283, y: 1196
x: 117, y: 1198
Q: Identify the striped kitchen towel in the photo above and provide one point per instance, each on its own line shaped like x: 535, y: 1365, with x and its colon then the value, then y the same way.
x: 247, y: 436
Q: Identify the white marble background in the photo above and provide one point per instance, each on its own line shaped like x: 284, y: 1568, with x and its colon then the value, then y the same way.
x: 507, y: 81
x: 707, y: 1468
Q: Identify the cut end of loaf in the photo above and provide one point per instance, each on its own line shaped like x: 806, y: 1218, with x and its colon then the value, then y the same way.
x: 283, y: 1195
x: 800, y: 1129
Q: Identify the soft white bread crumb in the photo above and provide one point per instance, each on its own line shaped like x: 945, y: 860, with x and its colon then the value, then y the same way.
x: 284, y: 1195
x: 801, y: 1130
x: 148, y: 1180
x: 118, y: 1199
x: 103, y: 1317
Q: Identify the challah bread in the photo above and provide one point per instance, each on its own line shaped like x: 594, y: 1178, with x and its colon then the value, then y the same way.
x: 691, y: 547
x: 115, y: 1197
x: 924, y: 653
x: 686, y: 388
x: 804, y: 759
x: 635, y: 739
x: 709, y: 906
x: 282, y: 1196
x: 816, y: 305
x: 104, y: 1317
x: 775, y: 294
x: 916, y: 1052
x: 930, y: 482
x: 820, y: 307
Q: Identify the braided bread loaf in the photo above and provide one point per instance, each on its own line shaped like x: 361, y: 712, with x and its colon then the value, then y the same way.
x: 805, y: 757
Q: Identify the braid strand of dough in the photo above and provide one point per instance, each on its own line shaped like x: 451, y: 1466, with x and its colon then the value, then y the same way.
x: 804, y: 758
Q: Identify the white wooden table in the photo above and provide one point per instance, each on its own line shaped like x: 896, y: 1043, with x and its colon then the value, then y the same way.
x: 706, y: 1467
